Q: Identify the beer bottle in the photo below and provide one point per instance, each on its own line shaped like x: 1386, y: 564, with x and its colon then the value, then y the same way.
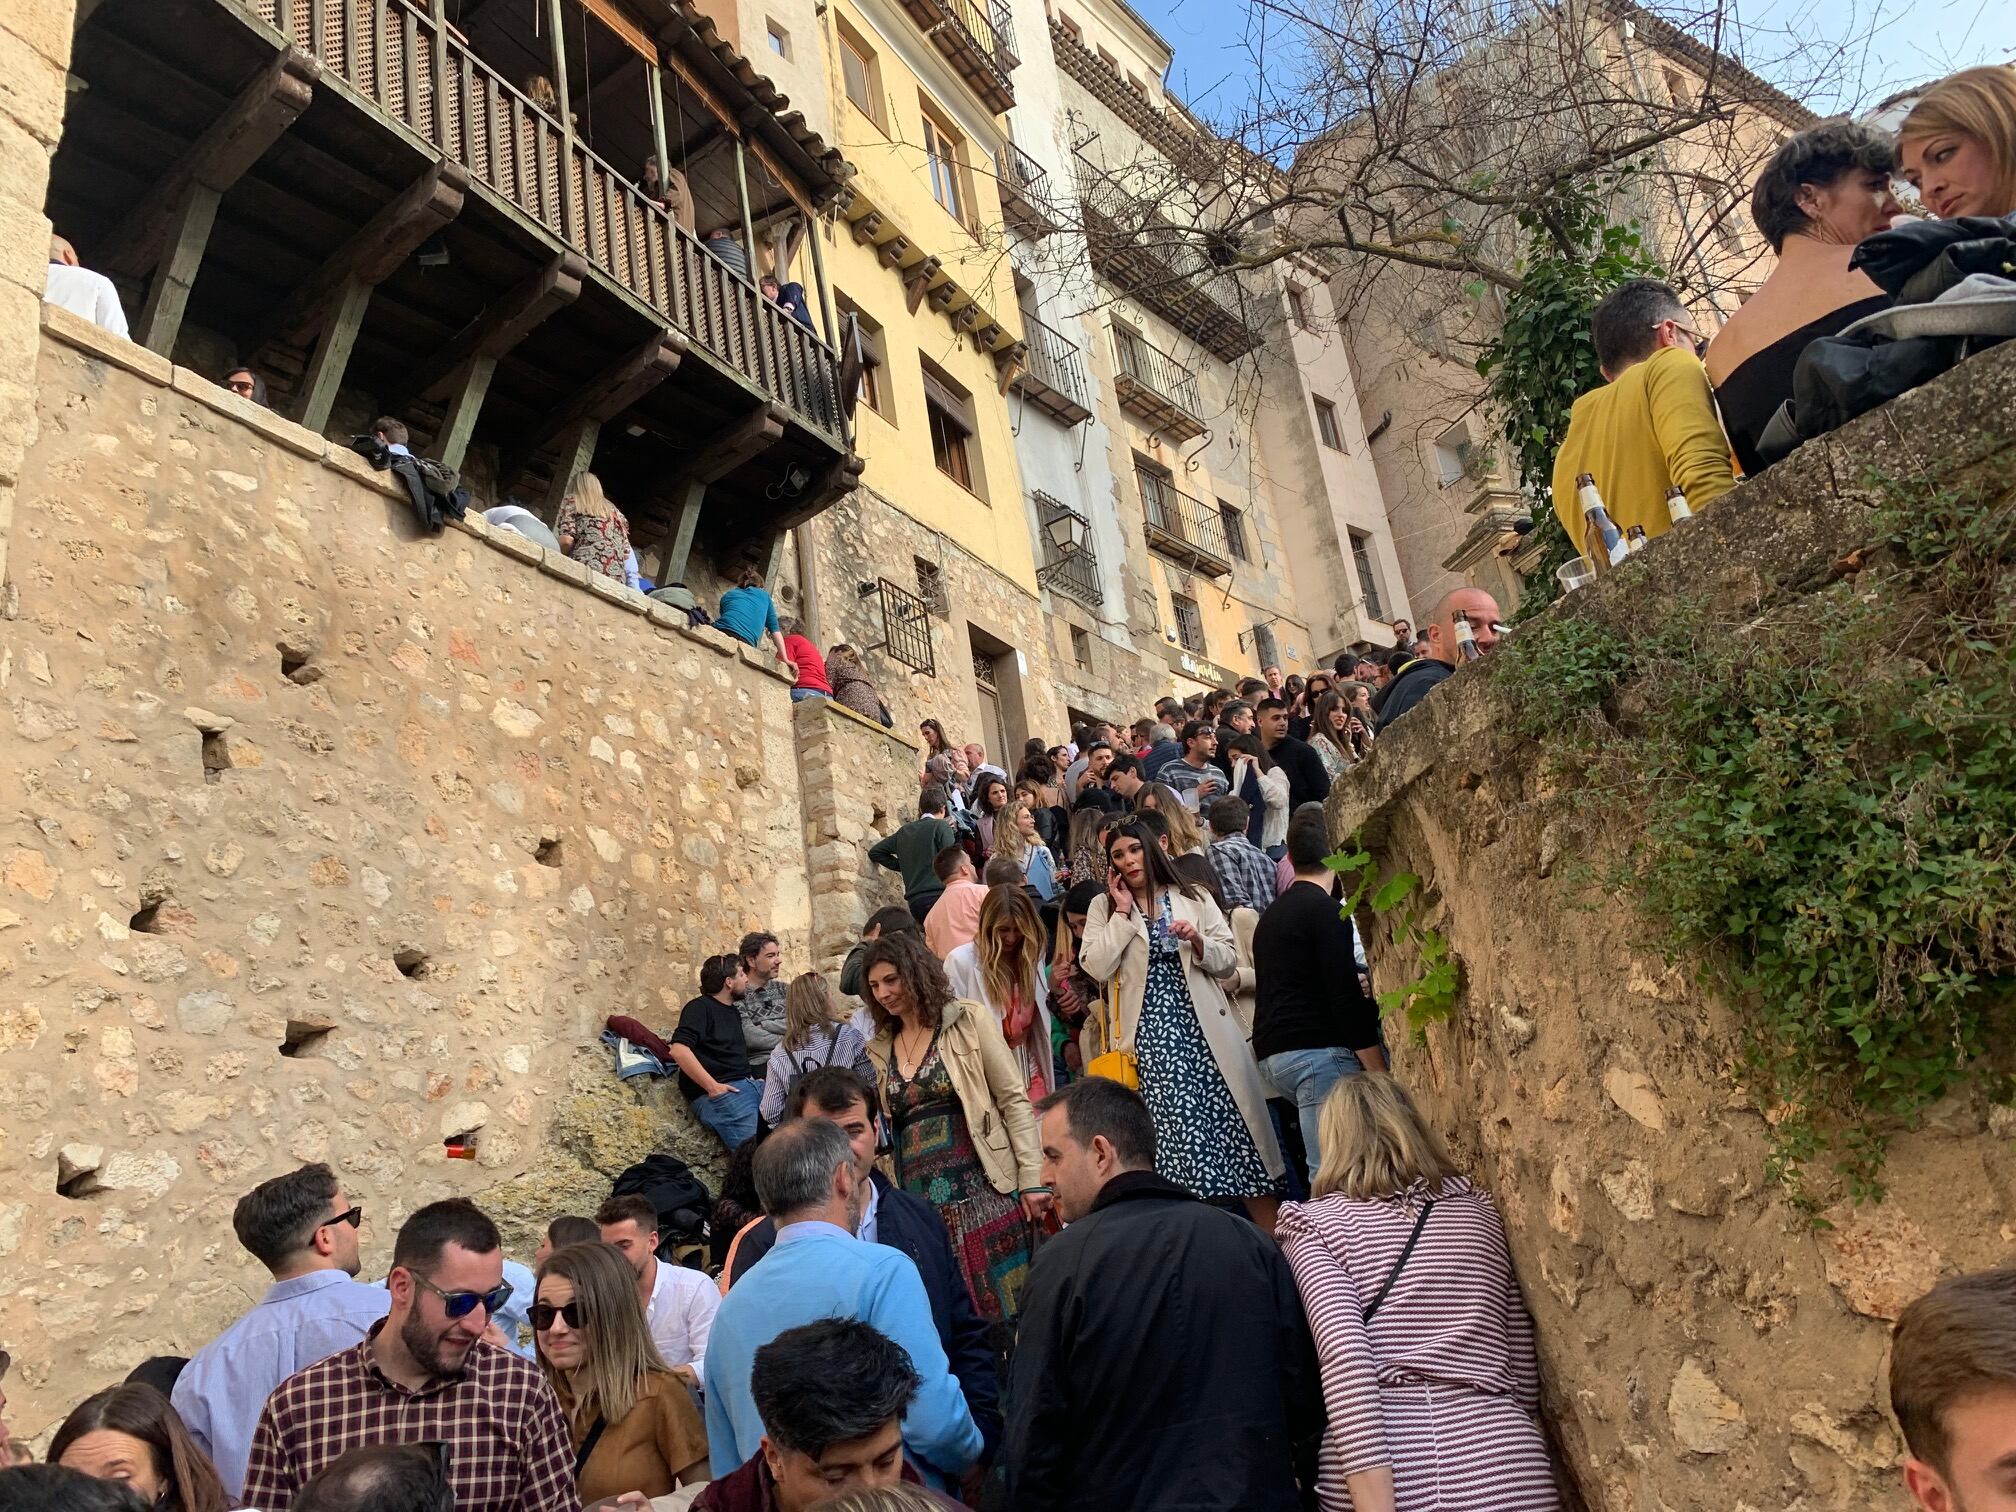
x: 1676, y: 506
x: 1466, y: 637
x: 1595, y: 517
x: 1634, y: 539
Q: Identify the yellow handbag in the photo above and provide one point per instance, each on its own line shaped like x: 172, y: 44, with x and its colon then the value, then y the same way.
x: 1115, y: 1065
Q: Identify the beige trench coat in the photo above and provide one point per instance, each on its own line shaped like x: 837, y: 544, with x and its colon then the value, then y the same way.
x: 1115, y: 951
x: 989, y: 1083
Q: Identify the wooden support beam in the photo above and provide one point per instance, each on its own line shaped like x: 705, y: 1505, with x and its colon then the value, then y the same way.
x: 773, y: 556
x: 603, y: 397
x: 465, y: 403
x: 576, y: 454
x: 836, y: 478
x: 332, y: 354
x: 237, y: 139
x: 916, y: 280
x: 374, y: 253
x: 502, y: 325
x: 753, y: 434
x: 175, y: 276
x: 679, y: 545
x: 868, y: 228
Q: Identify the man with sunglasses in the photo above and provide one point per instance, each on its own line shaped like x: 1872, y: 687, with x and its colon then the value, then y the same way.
x: 1651, y: 426
x: 305, y: 1231
x: 427, y: 1375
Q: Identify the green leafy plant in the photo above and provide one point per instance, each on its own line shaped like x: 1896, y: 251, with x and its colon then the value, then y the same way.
x: 1827, y: 802
x: 1542, y: 358
x: 1430, y: 997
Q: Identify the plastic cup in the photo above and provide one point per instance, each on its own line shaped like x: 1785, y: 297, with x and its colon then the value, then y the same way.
x: 1574, y: 573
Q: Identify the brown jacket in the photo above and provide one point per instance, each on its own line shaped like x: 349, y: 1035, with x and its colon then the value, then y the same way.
x: 989, y: 1085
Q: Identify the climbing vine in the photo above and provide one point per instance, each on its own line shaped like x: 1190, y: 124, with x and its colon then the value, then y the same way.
x: 1430, y: 997
x: 1542, y: 358
x: 1828, y: 809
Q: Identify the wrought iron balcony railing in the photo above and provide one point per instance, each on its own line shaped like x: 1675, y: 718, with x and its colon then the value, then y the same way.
x: 1053, y: 376
x: 1181, y: 527
x: 1155, y: 386
x: 978, y: 38
x: 1025, y: 193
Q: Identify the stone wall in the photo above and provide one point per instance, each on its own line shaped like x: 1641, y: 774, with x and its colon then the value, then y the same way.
x: 1702, y: 1343
x: 324, y: 839
x: 34, y: 57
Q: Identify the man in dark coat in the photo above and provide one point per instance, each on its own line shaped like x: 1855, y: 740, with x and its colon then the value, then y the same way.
x: 1308, y: 782
x: 1163, y: 1360
x: 901, y: 1221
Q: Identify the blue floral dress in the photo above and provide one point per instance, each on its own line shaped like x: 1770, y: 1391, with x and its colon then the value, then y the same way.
x: 1201, y: 1140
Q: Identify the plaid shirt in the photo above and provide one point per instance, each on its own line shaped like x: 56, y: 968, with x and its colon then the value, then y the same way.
x: 508, y: 1445
x: 1245, y: 875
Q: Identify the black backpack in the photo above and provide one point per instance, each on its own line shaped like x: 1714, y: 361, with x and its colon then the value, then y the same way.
x: 681, y: 1198
x: 799, y: 1071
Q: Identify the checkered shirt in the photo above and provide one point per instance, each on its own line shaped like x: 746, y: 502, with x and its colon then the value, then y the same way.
x: 508, y: 1445
x: 1245, y: 875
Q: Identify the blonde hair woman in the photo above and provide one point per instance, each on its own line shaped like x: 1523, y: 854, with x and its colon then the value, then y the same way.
x: 1958, y: 144
x: 816, y: 1033
x: 1016, y: 837
x: 593, y: 531
x: 634, y: 1423
x: 1429, y: 1371
x: 1002, y: 967
x: 1185, y: 839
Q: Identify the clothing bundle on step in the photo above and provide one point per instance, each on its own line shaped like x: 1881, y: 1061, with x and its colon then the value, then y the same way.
x: 1954, y: 282
x: 435, y: 489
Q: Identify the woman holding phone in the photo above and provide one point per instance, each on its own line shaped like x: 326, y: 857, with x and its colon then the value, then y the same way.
x: 636, y: 1429
x: 1164, y: 943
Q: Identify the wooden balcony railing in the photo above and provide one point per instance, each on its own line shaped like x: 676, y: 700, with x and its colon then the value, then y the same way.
x: 1075, y: 572
x: 1054, y: 375
x: 430, y: 82
x: 1181, y: 527
x: 977, y: 38
x: 1025, y: 193
x: 1155, y: 386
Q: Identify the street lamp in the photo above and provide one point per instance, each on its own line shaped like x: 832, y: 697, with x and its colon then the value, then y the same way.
x: 1067, y: 532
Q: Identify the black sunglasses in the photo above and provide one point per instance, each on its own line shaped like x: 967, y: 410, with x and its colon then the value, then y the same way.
x: 542, y: 1315
x: 459, y: 1304
x: 355, y: 1218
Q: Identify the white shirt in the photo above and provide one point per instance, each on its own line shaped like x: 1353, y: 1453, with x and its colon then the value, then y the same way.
x: 82, y: 292
x: 866, y: 1233
x: 681, y: 1315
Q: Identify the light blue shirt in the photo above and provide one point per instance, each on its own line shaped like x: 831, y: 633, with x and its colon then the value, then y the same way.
x: 514, y: 1318
x: 818, y: 1270
x: 746, y: 613
x: 868, y: 1229
x: 298, y: 1323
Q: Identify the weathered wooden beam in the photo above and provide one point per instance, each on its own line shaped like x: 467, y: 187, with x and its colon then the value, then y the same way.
x: 754, y: 433
x: 333, y: 346
x: 832, y: 480
x: 465, y: 403
x: 576, y: 455
x: 236, y: 140
x: 616, y: 387
x: 502, y: 325
x: 679, y: 547
x: 916, y: 280
x: 374, y: 253
x: 175, y: 276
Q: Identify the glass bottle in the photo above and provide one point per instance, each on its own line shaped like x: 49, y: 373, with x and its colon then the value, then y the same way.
x: 1466, y: 637
x: 1676, y: 506
x: 1634, y: 539
x: 1596, y: 517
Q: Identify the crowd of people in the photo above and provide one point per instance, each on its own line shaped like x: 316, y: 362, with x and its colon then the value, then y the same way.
x: 1088, y: 1184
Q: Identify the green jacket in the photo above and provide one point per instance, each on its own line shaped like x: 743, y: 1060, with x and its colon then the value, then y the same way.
x: 912, y: 849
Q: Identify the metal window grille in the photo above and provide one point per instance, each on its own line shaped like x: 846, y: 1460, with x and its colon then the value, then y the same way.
x: 1189, y: 623
x: 1368, y: 582
x: 931, y: 587
x: 906, y: 629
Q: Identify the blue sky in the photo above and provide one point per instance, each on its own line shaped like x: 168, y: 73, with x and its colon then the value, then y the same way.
x: 1893, y: 42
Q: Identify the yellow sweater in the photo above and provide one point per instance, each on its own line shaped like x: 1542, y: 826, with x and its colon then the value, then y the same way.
x: 1652, y: 428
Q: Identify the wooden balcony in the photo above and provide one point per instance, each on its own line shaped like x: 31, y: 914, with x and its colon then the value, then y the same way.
x: 978, y: 39
x: 1181, y: 527
x: 1025, y: 193
x: 551, y: 300
x: 1153, y: 385
x: 1053, y: 374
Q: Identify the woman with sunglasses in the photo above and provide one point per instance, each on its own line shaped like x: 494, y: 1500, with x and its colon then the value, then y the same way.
x: 634, y: 1423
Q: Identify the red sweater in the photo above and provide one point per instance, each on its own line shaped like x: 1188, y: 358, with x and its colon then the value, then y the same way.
x: 810, y: 664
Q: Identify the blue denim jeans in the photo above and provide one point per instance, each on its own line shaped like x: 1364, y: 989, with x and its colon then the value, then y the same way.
x: 732, y: 1117
x: 1305, y: 1077
x: 799, y: 695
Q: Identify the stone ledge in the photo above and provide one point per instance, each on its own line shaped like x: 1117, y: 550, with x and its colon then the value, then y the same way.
x: 95, y: 341
x: 563, y: 567
x: 275, y: 427
x: 713, y: 640
x: 511, y: 543
x: 622, y: 595
x: 810, y: 709
x: 353, y: 465
x: 474, y: 524
x: 757, y: 660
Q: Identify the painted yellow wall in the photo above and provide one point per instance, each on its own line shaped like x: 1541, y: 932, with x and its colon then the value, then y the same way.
x: 993, y: 521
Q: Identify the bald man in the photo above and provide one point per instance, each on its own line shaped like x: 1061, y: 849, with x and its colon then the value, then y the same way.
x: 1412, y: 682
x: 82, y: 292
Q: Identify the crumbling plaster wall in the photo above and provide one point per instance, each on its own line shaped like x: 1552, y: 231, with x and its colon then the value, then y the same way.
x: 1703, y: 1344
